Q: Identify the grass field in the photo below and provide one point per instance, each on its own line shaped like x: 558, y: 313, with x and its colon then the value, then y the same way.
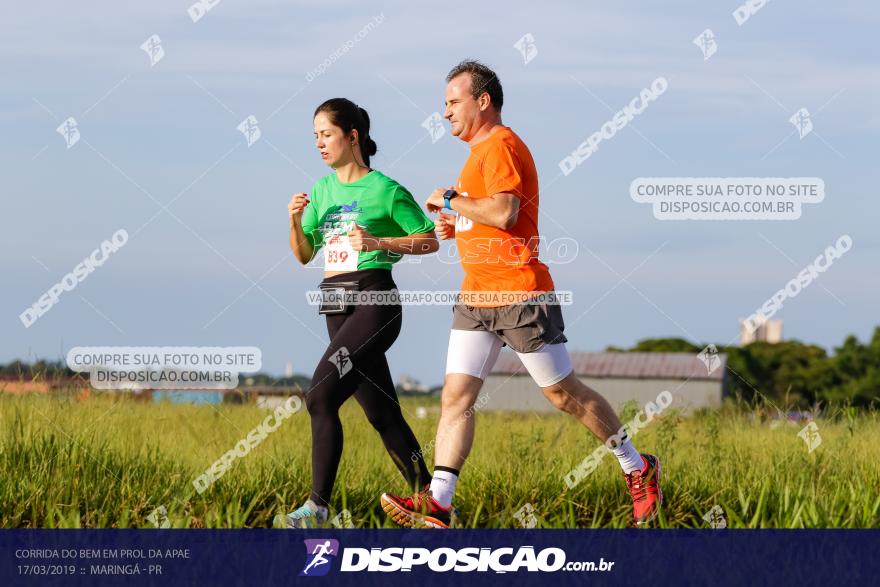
x: 110, y: 461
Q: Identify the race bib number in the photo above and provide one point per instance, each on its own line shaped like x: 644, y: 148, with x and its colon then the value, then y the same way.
x: 338, y: 254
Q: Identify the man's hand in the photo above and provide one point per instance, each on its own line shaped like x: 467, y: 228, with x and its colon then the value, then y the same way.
x: 435, y: 202
x: 445, y: 226
x: 362, y: 241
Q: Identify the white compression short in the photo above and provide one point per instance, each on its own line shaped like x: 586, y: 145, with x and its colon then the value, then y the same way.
x: 474, y: 352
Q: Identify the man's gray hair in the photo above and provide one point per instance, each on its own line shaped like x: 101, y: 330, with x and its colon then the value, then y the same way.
x: 483, y: 79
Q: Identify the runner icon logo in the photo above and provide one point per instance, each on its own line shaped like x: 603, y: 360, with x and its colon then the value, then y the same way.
x: 320, y: 552
x: 802, y: 122
x: 709, y: 357
x: 153, y: 48
x: 706, y: 42
x: 342, y: 360
x: 250, y: 128
x: 810, y: 435
x: 434, y: 125
x: 527, y: 47
x: 70, y: 131
x: 715, y: 517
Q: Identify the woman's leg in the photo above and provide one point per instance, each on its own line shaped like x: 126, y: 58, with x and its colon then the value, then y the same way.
x: 377, y: 397
x: 357, y: 342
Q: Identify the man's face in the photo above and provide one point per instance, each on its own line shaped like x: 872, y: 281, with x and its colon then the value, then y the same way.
x: 462, y: 109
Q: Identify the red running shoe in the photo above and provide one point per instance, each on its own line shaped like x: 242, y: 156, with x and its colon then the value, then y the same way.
x: 644, y: 486
x: 418, y: 511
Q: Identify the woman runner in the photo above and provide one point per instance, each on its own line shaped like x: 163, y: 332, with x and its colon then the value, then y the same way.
x: 364, y: 221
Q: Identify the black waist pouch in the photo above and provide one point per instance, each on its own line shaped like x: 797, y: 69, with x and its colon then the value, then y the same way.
x: 337, y: 297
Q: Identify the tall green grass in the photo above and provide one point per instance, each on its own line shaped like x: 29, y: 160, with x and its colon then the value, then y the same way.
x: 110, y: 461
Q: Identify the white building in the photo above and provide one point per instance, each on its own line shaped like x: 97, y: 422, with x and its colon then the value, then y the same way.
x: 411, y: 385
x: 766, y: 331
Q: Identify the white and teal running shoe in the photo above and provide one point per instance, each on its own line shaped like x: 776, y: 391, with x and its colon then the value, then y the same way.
x: 310, y: 515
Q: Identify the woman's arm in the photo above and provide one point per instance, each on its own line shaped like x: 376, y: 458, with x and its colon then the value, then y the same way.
x: 421, y: 243
x: 300, y: 245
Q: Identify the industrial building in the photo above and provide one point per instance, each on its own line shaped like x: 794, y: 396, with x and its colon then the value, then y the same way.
x: 695, y: 381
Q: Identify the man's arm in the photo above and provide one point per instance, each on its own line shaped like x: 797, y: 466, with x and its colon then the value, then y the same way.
x: 500, y: 210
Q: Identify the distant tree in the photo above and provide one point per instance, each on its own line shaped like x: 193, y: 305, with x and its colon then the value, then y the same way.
x: 42, y: 369
x: 665, y: 345
x: 742, y: 380
x: 790, y: 372
x: 852, y: 358
x: 856, y: 367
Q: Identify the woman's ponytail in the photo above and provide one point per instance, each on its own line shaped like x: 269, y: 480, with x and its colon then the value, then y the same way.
x: 348, y: 116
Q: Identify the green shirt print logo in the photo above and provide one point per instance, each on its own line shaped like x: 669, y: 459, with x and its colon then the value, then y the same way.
x: 340, y: 219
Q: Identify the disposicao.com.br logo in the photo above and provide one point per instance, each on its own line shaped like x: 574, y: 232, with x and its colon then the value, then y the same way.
x: 441, y: 560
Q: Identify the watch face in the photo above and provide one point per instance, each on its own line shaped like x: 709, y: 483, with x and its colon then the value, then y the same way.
x: 449, y: 194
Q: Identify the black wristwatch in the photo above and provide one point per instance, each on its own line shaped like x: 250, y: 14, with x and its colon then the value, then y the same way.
x: 447, y: 198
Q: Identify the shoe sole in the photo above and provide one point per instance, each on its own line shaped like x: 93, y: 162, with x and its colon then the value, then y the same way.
x: 291, y: 525
x: 407, y: 519
x: 659, y: 494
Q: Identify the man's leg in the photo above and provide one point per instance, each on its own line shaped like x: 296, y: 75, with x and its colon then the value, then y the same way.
x: 455, y: 431
x: 572, y: 396
x: 470, y: 357
x: 550, y: 367
x: 472, y: 353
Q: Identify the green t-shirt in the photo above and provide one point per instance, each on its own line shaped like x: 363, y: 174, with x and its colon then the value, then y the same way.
x: 383, y: 207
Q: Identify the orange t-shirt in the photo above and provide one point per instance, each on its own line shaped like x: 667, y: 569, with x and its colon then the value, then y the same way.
x: 494, y: 259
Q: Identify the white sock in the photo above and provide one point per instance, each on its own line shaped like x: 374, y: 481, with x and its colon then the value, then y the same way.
x: 443, y: 487
x: 629, y: 458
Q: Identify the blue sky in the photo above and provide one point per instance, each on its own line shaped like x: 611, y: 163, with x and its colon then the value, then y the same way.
x: 214, y: 267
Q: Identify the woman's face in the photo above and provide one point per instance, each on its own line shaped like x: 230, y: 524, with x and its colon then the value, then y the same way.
x: 335, y: 148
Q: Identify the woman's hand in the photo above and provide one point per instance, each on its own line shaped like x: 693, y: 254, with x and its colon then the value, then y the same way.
x: 299, y: 244
x: 362, y: 241
x: 298, y: 203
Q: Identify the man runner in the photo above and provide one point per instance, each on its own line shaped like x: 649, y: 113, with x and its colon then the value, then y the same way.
x: 503, y: 302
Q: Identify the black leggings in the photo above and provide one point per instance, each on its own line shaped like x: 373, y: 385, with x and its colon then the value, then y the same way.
x: 361, y: 370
